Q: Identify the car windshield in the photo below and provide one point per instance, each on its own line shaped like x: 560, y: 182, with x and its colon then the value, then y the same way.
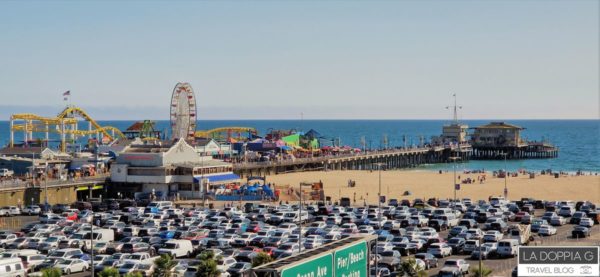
x: 65, y: 262
x: 238, y: 265
x: 128, y: 265
x: 170, y: 245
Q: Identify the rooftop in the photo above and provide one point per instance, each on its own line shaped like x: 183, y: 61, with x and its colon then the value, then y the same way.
x: 499, y: 125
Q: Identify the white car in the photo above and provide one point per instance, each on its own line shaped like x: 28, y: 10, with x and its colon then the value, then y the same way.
x: 492, y: 236
x: 14, y: 210
x: 5, y: 211
x: 225, y: 263
x: 586, y: 222
x: 439, y: 250
x: 461, y: 264
x: 72, y: 265
x: 547, y: 230
x: 32, y: 210
x: 558, y: 221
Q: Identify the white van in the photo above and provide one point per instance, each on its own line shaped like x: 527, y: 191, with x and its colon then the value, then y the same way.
x: 566, y: 211
x: 508, y: 247
x: 449, y: 220
x: 498, y: 201
x: 161, y: 205
x: 443, y: 211
x: 16, y: 253
x: 177, y: 248
x: 12, y: 267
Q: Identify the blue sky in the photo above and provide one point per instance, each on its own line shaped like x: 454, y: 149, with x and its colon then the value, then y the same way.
x: 335, y: 59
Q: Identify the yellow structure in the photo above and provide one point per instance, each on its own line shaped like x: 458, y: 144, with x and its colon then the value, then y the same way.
x: 65, y: 123
x: 228, y: 131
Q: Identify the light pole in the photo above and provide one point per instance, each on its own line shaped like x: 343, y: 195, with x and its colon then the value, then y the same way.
x: 46, y: 186
x: 92, y: 243
x: 300, y: 215
x: 505, y: 177
x: 454, y: 183
x: 379, y: 165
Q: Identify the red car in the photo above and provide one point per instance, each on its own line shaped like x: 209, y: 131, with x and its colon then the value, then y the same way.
x: 269, y: 250
x: 519, y: 216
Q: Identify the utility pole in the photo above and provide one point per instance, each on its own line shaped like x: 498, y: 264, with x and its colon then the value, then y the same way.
x: 505, y: 177
x: 92, y: 243
x: 454, y: 183
x: 378, y: 218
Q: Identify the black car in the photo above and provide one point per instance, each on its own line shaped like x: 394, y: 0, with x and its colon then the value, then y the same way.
x: 60, y: 208
x: 576, y: 217
x: 112, y: 204
x: 438, y: 225
x: 430, y: 260
x: 457, y: 245
x: 580, y: 232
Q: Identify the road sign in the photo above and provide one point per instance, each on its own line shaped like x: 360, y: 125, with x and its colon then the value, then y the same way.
x: 321, y: 266
x: 382, y: 199
x: 351, y: 261
x: 457, y: 186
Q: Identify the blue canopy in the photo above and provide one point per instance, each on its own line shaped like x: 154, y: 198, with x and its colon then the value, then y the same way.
x: 218, y: 178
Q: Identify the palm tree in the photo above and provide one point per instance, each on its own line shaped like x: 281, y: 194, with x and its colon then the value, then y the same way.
x: 109, y: 272
x: 410, y: 268
x: 483, y: 272
x: 261, y: 258
x: 164, y: 265
x: 133, y: 274
x: 208, y: 265
x: 51, y: 272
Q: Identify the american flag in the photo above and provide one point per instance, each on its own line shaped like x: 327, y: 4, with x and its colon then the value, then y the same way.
x: 67, y: 93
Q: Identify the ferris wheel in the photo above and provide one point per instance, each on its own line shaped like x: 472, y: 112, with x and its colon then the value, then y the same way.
x: 183, y: 112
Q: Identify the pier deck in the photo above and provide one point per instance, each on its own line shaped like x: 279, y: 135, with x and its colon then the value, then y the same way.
x: 390, y: 158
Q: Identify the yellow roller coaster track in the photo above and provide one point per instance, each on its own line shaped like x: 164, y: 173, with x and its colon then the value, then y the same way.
x: 45, y: 120
x: 37, y: 128
x: 209, y: 133
x: 75, y: 110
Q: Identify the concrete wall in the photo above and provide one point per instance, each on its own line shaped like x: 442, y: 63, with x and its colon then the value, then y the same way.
x: 24, y: 197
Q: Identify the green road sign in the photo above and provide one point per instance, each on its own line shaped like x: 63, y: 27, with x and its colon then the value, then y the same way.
x: 317, y: 267
x: 351, y: 261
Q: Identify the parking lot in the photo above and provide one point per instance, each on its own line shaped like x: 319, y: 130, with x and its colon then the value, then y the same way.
x: 236, y: 234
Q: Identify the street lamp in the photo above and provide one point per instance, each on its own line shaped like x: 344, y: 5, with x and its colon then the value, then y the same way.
x: 379, y: 165
x: 505, y: 176
x: 305, y: 184
x: 454, y: 183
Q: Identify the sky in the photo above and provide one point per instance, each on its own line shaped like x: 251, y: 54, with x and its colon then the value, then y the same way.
x: 322, y: 59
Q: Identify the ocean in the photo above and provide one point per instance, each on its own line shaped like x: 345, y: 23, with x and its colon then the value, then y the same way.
x: 578, y: 140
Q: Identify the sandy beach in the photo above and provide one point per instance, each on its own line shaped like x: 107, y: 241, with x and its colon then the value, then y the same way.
x: 427, y: 184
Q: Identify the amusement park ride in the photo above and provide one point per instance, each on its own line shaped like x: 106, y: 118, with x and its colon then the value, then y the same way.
x: 183, y: 117
x: 65, y: 123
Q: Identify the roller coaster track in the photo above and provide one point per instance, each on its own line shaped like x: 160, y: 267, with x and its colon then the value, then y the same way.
x: 78, y: 111
x: 229, y: 130
x: 38, y: 128
x: 45, y: 120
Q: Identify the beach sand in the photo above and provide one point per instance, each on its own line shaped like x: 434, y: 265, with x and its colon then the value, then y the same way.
x: 427, y: 184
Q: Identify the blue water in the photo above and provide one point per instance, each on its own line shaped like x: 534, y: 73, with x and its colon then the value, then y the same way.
x: 578, y: 139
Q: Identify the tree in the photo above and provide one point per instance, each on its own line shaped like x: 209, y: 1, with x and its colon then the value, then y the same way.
x: 51, y: 272
x: 164, y: 264
x: 133, y: 274
x: 109, y: 272
x: 261, y: 259
x: 208, y: 265
x: 410, y: 268
x: 483, y: 272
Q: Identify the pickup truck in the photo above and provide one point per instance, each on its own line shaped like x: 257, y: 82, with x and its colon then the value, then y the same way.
x: 6, y: 172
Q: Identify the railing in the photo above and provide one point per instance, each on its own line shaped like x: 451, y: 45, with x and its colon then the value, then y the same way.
x: 246, y: 165
x: 21, y: 184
